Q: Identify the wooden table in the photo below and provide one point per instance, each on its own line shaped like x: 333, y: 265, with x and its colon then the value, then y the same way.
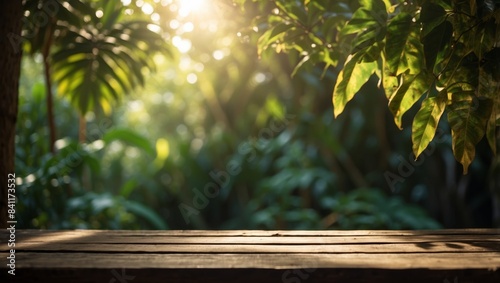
x: 445, y: 256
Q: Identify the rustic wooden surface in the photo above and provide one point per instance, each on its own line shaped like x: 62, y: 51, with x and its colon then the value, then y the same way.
x: 254, y: 256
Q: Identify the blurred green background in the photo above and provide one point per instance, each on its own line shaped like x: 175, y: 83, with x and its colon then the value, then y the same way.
x: 218, y: 138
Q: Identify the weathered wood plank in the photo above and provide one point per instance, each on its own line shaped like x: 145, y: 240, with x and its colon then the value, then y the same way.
x: 431, y: 247
x: 163, y: 238
x: 255, y: 256
x: 263, y: 233
x: 484, y: 260
x: 263, y: 240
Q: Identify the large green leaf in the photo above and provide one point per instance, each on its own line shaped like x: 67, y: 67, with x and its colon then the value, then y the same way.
x: 130, y: 137
x: 489, y: 86
x: 39, y: 21
x: 467, y: 117
x: 408, y: 93
x: 363, y: 20
x: 426, y: 121
x: 398, y: 31
x: 435, y: 41
x: 388, y: 82
x: 367, y: 40
x: 403, y: 48
x: 352, y: 77
x: 95, y: 69
x: 111, y: 13
x: 431, y: 15
x: 368, y: 25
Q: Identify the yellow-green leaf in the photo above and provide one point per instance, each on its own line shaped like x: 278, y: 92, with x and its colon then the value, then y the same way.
x: 352, y: 77
x: 272, y: 35
x: 403, y: 48
x: 389, y: 83
x: 408, y: 93
x: 365, y: 20
x: 468, y: 116
x: 426, y: 121
x: 398, y: 31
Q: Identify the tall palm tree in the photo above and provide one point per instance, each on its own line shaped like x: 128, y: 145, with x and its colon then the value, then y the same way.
x: 93, y: 54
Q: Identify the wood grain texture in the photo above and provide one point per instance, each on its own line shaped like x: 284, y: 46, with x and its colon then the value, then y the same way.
x: 432, y: 247
x: 485, y: 260
x: 287, y: 256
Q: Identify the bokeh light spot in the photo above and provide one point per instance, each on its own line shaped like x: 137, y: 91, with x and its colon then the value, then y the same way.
x: 218, y: 54
x: 183, y: 45
x: 147, y: 9
x: 192, y: 78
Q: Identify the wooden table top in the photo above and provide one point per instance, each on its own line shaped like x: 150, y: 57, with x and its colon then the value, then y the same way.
x: 313, y: 252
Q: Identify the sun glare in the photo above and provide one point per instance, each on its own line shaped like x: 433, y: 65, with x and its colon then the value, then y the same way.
x: 187, y: 7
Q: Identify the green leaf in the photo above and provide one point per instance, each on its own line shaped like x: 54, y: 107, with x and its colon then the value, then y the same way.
x: 95, y: 70
x: 431, y: 16
x: 467, y: 117
x: 426, y: 121
x: 130, y: 137
x: 300, y: 64
x: 294, y: 10
x: 369, y: 28
x: 489, y: 87
x: 368, y: 39
x: 485, y: 38
x: 128, y: 187
x: 145, y: 212
x: 272, y: 35
x: 491, y: 128
x: 373, y: 52
x: 374, y: 5
x: 111, y: 13
x: 435, y: 41
x: 408, y: 93
x: 352, y: 77
x: 108, y: 67
x: 398, y: 31
x: 388, y: 82
x: 364, y: 20
x: 403, y: 48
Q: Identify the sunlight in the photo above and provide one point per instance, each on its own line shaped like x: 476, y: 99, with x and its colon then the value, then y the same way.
x: 183, y: 45
x: 192, y: 6
x: 147, y: 9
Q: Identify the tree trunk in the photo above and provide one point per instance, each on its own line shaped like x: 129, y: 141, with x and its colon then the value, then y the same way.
x: 48, y: 84
x: 82, y: 131
x: 10, y: 64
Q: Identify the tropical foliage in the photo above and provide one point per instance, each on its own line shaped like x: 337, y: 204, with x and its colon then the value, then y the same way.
x: 440, y: 56
x: 221, y: 136
x: 93, y: 54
